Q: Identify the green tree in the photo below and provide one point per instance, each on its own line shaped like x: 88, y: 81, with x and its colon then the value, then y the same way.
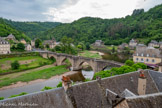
x: 67, y: 46
x: 15, y: 65
x: 20, y: 46
x: 47, y: 46
x: 129, y: 62
x: 38, y: 43
x: 113, y: 49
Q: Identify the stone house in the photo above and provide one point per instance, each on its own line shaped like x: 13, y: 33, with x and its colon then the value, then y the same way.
x: 28, y: 47
x: 160, y: 44
x: 133, y: 43
x: 11, y: 37
x: 23, y: 41
x: 98, y: 43
x: 4, y: 46
x: 51, y: 43
x: 33, y: 43
x: 148, y: 55
x: 122, y: 47
x: 153, y: 43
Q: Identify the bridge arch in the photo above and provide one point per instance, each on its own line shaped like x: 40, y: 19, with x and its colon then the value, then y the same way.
x: 82, y: 62
x: 107, y: 67
x: 51, y: 56
x: 66, y: 59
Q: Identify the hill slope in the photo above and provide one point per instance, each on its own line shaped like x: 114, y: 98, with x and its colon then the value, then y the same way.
x: 32, y: 29
x: 6, y: 29
x: 142, y: 25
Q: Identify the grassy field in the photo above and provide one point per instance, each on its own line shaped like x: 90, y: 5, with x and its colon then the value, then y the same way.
x: 40, y: 74
x: 90, y: 54
x: 28, y: 62
x: 111, y: 47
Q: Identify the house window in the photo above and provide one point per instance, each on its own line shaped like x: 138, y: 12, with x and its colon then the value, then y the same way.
x: 142, y: 54
x: 147, y: 60
x: 153, y: 60
x: 136, y: 59
x: 141, y: 59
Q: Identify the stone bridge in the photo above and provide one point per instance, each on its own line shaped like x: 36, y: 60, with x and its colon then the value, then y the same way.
x: 77, y: 61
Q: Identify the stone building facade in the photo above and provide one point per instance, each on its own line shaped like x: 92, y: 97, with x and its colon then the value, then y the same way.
x: 98, y: 43
x: 51, y: 43
x: 153, y: 43
x: 133, y: 43
x: 11, y: 37
x: 147, y: 55
x: 28, y: 47
x: 23, y: 41
x: 4, y: 46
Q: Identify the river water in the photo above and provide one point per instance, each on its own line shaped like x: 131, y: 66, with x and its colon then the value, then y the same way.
x: 38, y: 86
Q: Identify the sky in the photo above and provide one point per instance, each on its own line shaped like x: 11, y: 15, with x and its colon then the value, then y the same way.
x: 67, y: 11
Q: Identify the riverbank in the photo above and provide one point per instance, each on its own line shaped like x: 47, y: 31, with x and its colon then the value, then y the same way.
x: 21, y: 84
x: 34, y: 75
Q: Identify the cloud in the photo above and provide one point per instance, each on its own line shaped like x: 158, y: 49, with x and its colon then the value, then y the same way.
x: 70, y: 10
x: 27, y: 10
x: 93, y: 8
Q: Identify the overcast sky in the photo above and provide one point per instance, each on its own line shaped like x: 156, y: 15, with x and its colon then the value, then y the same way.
x: 70, y: 10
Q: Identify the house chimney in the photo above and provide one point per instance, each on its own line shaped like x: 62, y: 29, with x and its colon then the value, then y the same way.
x: 141, y: 83
x: 66, y: 82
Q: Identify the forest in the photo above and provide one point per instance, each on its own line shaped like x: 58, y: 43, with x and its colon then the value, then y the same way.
x: 144, y: 26
x: 6, y: 29
x: 32, y: 29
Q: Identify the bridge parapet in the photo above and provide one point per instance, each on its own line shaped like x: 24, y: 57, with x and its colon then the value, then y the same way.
x: 77, y: 61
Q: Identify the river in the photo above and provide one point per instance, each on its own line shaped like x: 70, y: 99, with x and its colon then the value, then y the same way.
x: 31, y: 88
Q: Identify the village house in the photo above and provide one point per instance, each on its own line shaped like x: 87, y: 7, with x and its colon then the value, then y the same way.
x: 23, y: 41
x: 148, y: 55
x: 4, y: 46
x: 122, y: 47
x: 28, y: 47
x: 11, y: 37
x: 33, y: 43
x: 99, y: 43
x: 51, y: 43
x: 160, y: 44
x: 133, y: 43
x: 153, y: 43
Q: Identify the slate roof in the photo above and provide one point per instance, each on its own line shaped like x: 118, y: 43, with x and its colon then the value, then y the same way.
x: 2, y: 41
x: 152, y: 52
x: 145, y: 101
x: 11, y: 36
x: 49, y: 42
x: 127, y: 93
x: 92, y: 94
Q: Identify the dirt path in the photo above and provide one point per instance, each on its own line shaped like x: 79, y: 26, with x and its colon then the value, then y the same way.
x: 13, y: 75
x: 20, y: 84
x: 100, y: 53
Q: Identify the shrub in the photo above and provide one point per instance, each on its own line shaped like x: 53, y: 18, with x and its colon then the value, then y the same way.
x: 142, y: 65
x: 59, y: 84
x: 1, y: 98
x: 47, y: 88
x: 23, y: 93
x: 15, y: 65
x: 87, y: 79
x: 129, y: 62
